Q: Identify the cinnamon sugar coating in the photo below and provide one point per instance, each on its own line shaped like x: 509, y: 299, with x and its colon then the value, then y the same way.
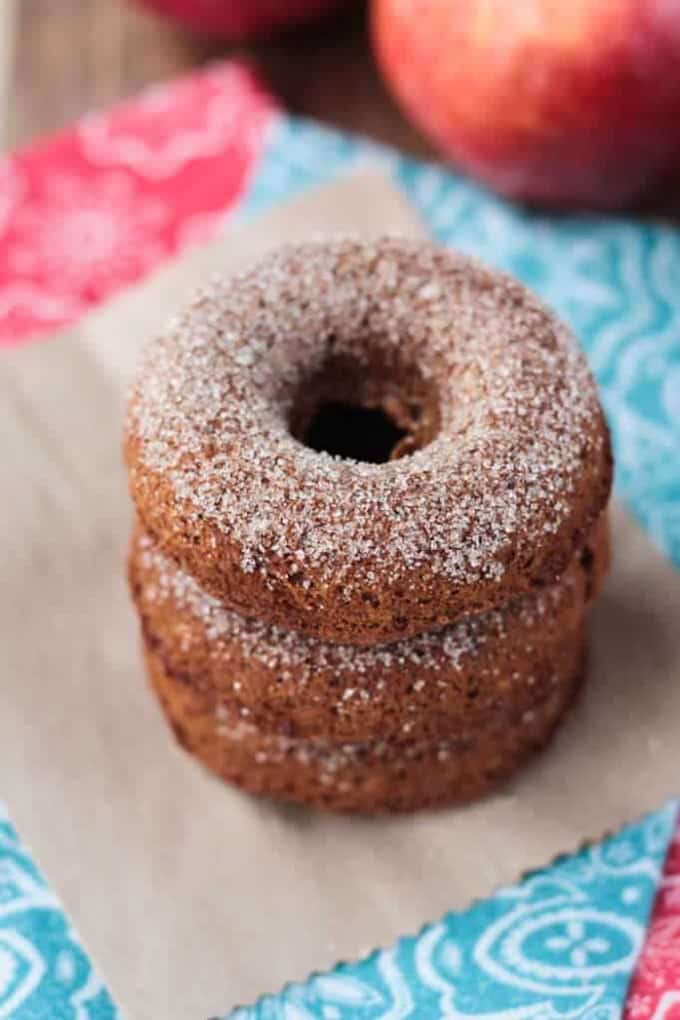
x: 481, y: 669
x: 510, y: 468
x: 366, y: 777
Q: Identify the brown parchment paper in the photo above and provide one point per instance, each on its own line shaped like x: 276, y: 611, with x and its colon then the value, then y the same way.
x: 190, y: 896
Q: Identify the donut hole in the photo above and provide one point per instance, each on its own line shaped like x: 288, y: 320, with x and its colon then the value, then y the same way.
x: 355, y: 432
x: 374, y: 410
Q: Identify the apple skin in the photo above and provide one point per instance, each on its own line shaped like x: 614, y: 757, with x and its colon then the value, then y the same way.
x: 558, y: 102
x: 241, y: 19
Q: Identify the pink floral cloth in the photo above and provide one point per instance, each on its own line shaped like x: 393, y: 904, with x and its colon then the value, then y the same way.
x: 654, y: 993
x: 96, y: 207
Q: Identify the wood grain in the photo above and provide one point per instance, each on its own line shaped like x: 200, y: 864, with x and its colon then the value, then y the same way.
x: 7, y: 37
x: 75, y: 55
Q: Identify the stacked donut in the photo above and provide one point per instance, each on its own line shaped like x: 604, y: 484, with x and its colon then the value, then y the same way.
x: 331, y: 623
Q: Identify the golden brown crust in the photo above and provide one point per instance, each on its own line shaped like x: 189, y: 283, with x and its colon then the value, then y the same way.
x: 371, y: 777
x: 287, y: 683
x: 503, y: 493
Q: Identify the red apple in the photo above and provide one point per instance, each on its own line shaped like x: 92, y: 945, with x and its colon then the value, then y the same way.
x: 238, y: 19
x: 575, y: 102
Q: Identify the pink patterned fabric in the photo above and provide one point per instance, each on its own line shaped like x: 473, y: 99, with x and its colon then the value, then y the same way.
x: 88, y: 211
x: 654, y: 993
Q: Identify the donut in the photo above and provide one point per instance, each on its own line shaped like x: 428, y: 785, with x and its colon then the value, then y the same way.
x: 283, y: 682
x: 367, y: 440
x: 355, y: 776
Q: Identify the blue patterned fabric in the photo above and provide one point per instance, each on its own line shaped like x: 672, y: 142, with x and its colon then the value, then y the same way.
x: 617, y: 282
x: 44, y: 972
x: 562, y: 943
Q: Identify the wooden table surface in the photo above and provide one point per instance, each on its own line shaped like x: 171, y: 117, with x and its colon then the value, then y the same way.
x: 59, y: 58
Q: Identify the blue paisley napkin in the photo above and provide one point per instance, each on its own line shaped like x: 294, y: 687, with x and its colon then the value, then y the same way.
x: 561, y: 943
x: 44, y: 972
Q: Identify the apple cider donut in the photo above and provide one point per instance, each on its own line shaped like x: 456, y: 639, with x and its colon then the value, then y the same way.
x: 372, y: 776
x: 249, y: 467
x: 483, y: 669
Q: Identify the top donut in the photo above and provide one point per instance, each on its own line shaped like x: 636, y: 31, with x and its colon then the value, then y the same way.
x: 502, y: 468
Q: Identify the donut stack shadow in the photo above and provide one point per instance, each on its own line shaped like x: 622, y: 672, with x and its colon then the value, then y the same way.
x: 326, y: 631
